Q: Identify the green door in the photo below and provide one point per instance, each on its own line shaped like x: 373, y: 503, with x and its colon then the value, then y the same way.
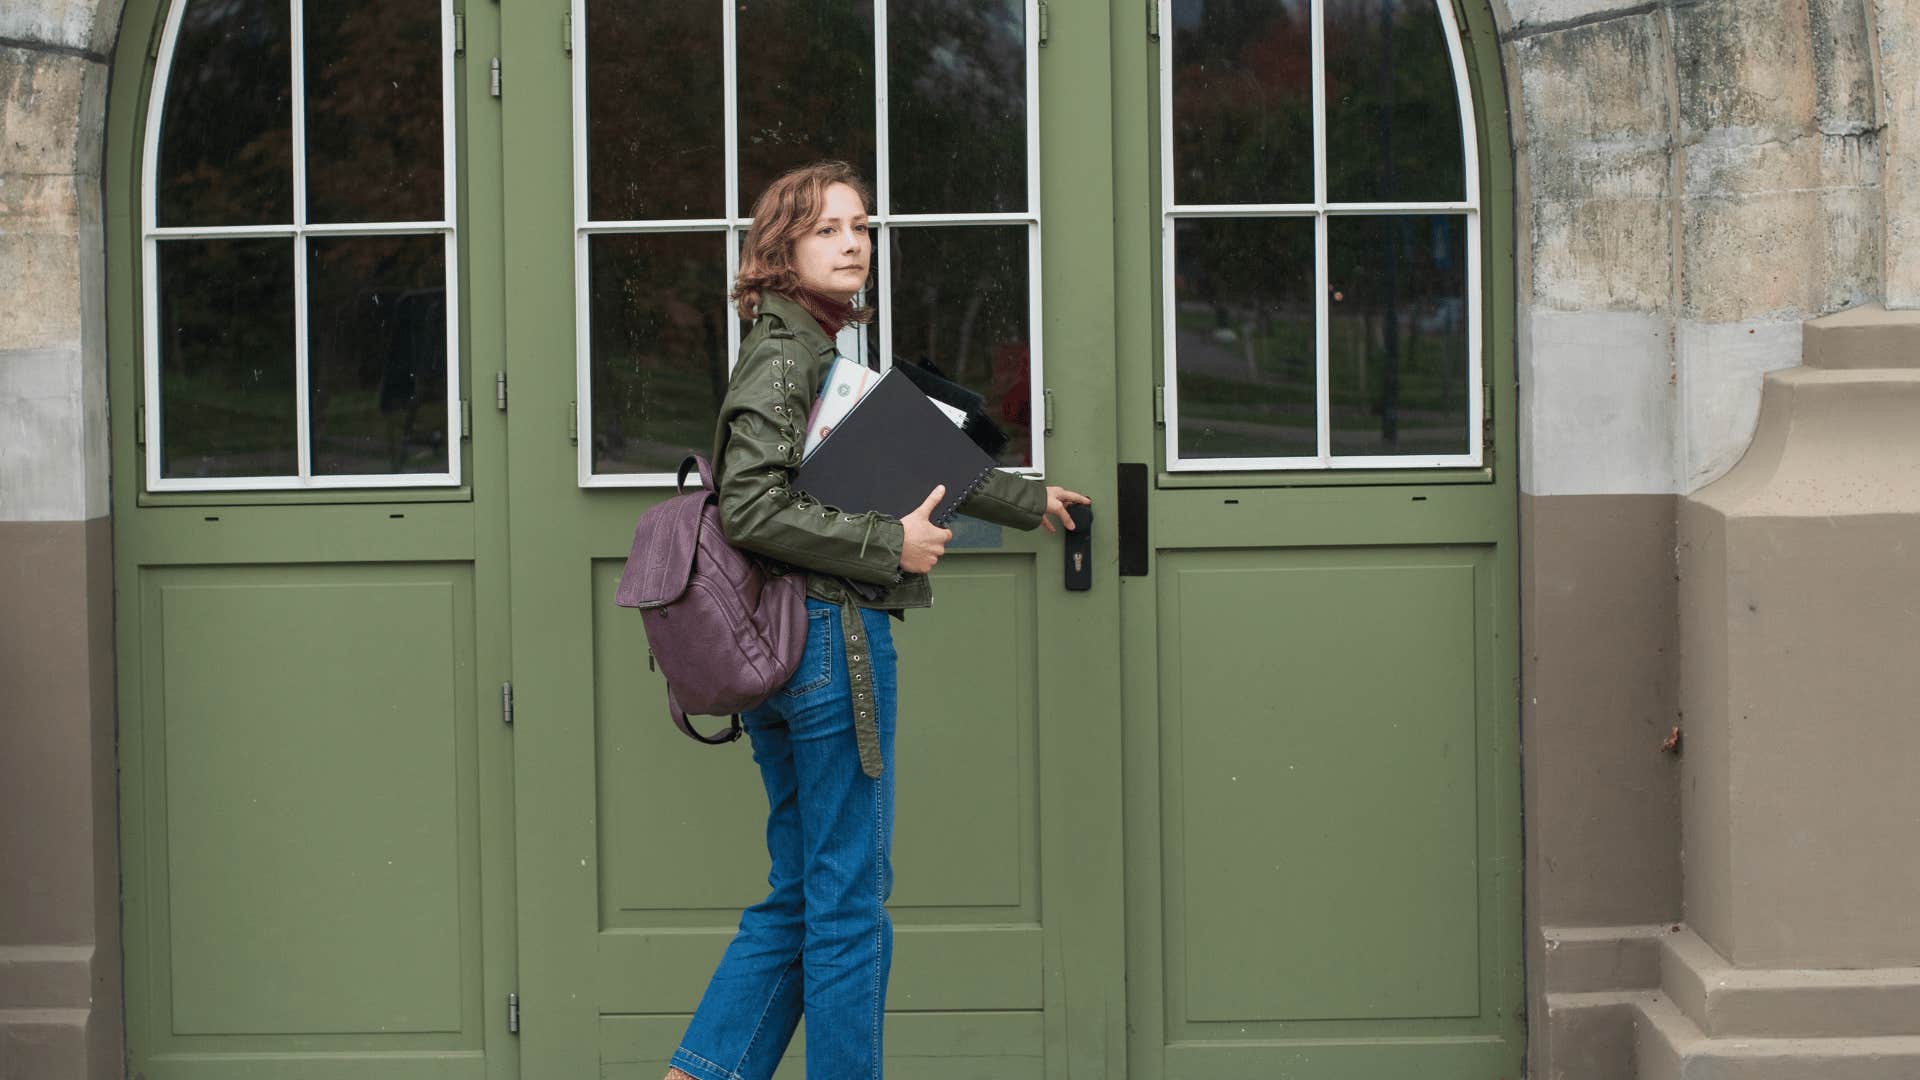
x: 1320, y: 661
x: 310, y: 554
x: 627, y: 184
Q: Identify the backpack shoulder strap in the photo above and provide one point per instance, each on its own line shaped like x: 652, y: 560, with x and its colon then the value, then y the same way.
x: 680, y: 721
x: 706, y: 473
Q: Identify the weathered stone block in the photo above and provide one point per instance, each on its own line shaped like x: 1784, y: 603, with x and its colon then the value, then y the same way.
x: 52, y: 112
x: 77, y: 24
x: 1746, y: 256
x: 42, y: 272
x: 1746, y: 65
x: 1603, y: 81
x: 1602, y: 253
x: 1525, y: 14
x: 1842, y: 50
x: 1898, y: 25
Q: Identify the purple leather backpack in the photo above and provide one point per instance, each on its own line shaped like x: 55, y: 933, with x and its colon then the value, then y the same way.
x: 726, y: 633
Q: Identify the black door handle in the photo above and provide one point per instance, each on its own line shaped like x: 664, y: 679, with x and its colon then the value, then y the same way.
x: 1079, y: 549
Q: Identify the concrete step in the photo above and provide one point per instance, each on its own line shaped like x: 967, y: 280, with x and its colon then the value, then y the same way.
x: 1723, y: 1000
x: 43, y: 1043
x: 1668, y: 1046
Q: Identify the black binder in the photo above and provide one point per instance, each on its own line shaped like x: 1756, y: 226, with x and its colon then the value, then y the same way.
x: 890, y: 452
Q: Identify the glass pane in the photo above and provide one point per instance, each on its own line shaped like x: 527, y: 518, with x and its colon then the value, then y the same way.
x: 656, y: 132
x: 1244, y: 337
x: 226, y: 358
x: 961, y: 304
x: 377, y: 354
x: 1397, y: 334
x: 806, y: 87
x: 957, y: 105
x: 226, y: 129
x: 374, y: 134
x: 1393, y: 114
x: 659, y: 347
x: 1242, y: 101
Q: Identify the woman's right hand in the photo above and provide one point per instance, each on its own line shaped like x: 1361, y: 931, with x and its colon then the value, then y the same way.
x: 925, y: 542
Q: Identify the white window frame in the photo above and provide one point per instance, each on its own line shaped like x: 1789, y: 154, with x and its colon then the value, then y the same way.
x: 299, y: 230
x: 734, y: 225
x: 1320, y: 210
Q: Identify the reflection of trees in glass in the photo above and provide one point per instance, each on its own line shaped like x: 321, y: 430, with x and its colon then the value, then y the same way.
x: 1393, y: 114
x: 226, y: 357
x: 957, y: 123
x: 377, y: 354
x: 656, y: 130
x: 374, y: 136
x: 1243, y: 336
x: 960, y: 301
x: 226, y: 130
x: 1397, y: 334
x: 659, y: 354
x: 806, y: 87
x: 1242, y: 101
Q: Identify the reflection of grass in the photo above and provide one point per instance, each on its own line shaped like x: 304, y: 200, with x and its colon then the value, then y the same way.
x: 211, y: 414
x: 648, y: 414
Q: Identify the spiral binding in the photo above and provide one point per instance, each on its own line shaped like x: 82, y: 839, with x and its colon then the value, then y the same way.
x: 948, y: 514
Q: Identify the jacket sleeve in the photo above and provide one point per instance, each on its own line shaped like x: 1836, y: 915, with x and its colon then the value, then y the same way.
x: 1008, y: 499
x: 763, y: 420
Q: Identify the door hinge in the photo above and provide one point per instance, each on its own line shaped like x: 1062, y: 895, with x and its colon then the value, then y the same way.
x: 1046, y: 397
x: 1046, y: 26
x: 500, y: 390
x: 140, y: 426
x: 573, y: 422
x: 1153, y: 20
x: 459, y: 33
x: 1160, y: 406
x: 466, y: 419
x: 506, y: 703
x: 566, y: 32
x: 493, y: 78
x: 513, y: 1014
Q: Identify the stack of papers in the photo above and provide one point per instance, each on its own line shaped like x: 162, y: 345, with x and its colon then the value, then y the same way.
x: 848, y: 382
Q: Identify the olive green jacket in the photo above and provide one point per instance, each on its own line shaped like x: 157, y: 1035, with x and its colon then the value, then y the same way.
x: 851, y: 559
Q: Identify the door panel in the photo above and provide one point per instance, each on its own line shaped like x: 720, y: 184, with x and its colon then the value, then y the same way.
x: 1346, y: 728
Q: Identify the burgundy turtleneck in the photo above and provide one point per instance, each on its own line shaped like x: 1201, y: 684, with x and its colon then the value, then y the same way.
x: 831, y: 314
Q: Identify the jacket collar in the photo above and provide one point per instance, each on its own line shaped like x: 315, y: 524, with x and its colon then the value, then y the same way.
x: 796, y: 319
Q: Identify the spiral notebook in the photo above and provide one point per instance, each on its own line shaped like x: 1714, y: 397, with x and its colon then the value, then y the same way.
x: 890, y: 452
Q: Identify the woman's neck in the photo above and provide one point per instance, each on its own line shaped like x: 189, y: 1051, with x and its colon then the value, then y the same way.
x: 831, y: 313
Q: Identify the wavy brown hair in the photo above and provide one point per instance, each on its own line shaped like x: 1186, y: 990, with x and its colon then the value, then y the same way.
x: 782, y: 215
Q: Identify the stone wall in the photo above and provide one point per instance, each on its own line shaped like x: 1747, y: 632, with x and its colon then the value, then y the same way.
x: 60, y: 987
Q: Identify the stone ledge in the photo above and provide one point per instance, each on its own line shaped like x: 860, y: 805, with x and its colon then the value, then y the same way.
x: 1668, y: 1046
x: 1597, y: 959
x: 1722, y: 1000
x: 1868, y: 336
x: 46, y: 977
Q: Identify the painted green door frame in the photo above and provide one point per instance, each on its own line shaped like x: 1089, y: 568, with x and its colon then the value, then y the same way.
x: 314, y: 774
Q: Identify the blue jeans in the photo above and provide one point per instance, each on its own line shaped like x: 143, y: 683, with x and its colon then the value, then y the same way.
x: 821, y: 942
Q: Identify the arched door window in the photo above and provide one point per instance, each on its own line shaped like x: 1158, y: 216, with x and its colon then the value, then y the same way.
x: 1320, y: 236
x: 933, y: 101
x: 299, y: 248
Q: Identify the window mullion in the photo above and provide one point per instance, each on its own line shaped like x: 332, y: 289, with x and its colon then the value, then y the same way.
x: 1322, y: 388
x: 303, y: 420
x: 730, y: 91
x: 883, y: 181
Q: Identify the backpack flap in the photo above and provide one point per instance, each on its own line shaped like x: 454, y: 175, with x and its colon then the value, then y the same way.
x: 661, y: 562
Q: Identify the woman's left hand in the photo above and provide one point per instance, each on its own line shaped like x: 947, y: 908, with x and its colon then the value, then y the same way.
x: 1058, y: 499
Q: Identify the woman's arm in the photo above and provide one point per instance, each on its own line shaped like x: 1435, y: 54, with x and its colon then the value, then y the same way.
x: 763, y: 421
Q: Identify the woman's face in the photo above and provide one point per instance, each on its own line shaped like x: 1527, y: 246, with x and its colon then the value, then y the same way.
x: 832, y: 257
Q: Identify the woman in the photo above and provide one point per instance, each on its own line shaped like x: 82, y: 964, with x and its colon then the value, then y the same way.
x: 820, y: 943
